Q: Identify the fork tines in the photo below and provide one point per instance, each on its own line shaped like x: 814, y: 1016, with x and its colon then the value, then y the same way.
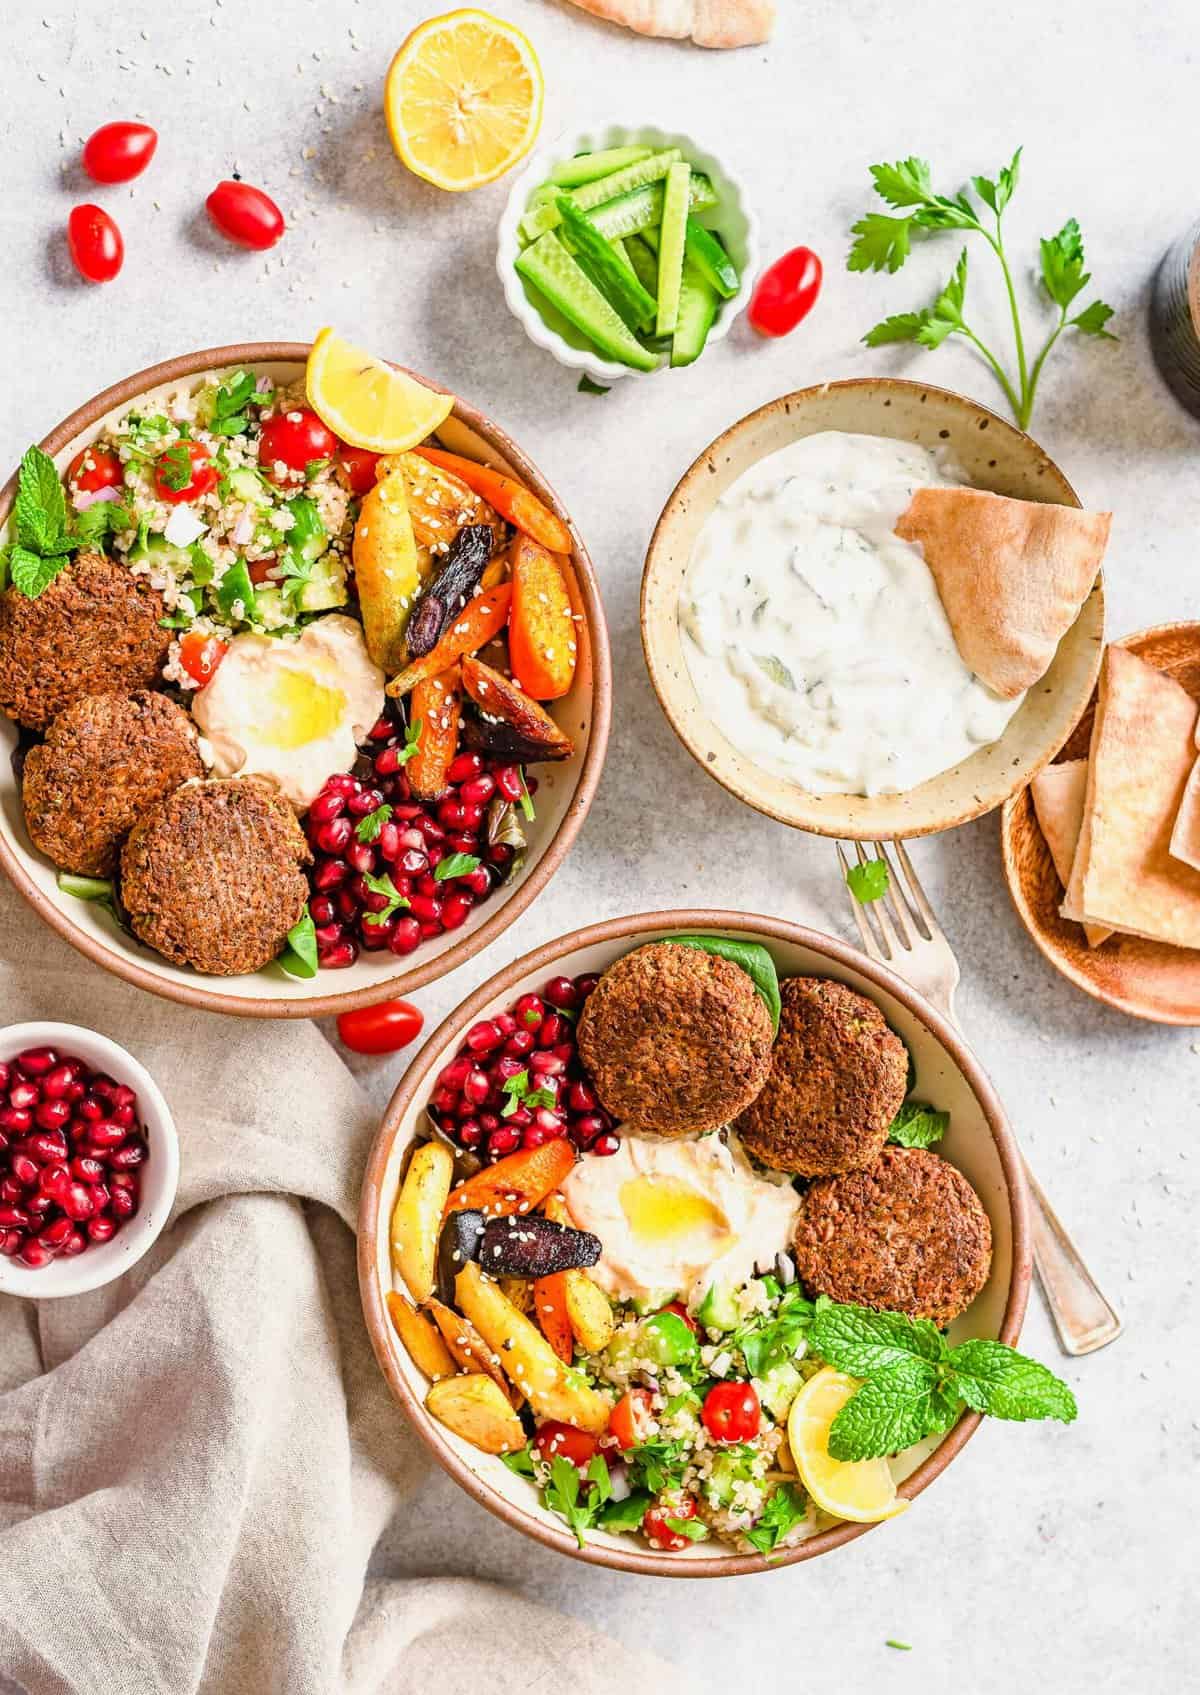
x: 902, y: 916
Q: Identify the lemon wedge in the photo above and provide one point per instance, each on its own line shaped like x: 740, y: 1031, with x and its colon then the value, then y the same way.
x: 463, y: 99
x: 861, y: 1490
x: 366, y: 402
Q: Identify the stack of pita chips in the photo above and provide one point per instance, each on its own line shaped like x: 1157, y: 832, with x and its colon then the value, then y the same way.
x: 1123, y: 826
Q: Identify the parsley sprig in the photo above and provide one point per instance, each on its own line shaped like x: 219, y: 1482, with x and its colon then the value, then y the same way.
x: 882, y: 243
x: 384, y: 886
x: 787, y: 1506
x: 868, y: 881
x: 578, y: 1499
x: 227, y: 408
x: 518, y: 1093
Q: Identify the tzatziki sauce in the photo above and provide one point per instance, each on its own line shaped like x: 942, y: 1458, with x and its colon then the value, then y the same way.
x: 815, y: 636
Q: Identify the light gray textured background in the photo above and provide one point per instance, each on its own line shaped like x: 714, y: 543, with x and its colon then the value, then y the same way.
x: 1045, y: 1558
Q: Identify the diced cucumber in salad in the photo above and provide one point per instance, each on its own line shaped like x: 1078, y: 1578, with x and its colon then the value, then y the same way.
x: 613, y: 247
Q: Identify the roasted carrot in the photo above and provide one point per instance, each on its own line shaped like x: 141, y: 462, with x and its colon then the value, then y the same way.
x: 499, y: 698
x: 541, y: 630
x: 517, y: 1183
x: 510, y: 498
x: 480, y: 619
x: 550, y: 1310
x: 436, y: 706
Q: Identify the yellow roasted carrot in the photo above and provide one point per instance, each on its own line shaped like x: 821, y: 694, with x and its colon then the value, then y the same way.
x: 541, y: 631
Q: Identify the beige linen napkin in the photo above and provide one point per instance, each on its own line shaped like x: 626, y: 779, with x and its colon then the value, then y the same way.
x: 196, y: 1462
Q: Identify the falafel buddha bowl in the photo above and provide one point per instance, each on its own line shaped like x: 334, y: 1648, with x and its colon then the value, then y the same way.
x: 303, y: 679
x: 695, y: 1243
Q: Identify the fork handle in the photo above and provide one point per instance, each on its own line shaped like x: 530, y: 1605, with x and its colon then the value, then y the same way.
x: 1083, y: 1318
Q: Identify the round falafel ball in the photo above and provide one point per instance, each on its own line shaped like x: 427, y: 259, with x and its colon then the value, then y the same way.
x: 105, y: 759
x: 838, y: 1077
x: 212, y: 876
x: 93, y: 630
x: 907, y: 1234
x: 675, y: 1040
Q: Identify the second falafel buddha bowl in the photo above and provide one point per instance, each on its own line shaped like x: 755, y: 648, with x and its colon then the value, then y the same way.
x: 290, y: 724
x: 695, y: 1242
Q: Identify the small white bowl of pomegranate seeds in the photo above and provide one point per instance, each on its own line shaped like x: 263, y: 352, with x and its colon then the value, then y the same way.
x: 89, y: 1160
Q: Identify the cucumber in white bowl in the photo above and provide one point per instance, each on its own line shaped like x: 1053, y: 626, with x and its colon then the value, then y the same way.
x: 625, y: 250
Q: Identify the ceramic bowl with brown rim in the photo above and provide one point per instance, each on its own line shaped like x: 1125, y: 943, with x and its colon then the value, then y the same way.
x: 1145, y: 979
x: 991, y: 454
x: 564, y: 795
x: 979, y: 1142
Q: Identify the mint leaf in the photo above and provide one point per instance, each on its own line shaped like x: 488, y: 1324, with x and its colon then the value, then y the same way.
x: 1092, y: 319
x: 299, y: 957
x: 881, y: 243
x: 370, y: 826
x: 601, y: 1482
x: 868, y: 882
x: 906, y: 183
x: 585, y: 385
x: 40, y: 509
x: 626, y: 1515
x: 917, y: 1125
x: 455, y: 865
x: 893, y: 1409
x: 31, y: 573
x: 902, y: 326
x: 861, y: 1342
x: 995, y: 1379
x: 786, y: 1507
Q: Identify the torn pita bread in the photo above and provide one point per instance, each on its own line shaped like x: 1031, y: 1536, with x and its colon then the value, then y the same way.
x: 709, y: 23
x: 1058, y: 796
x: 1012, y: 576
x: 1185, y: 833
x: 1141, y: 757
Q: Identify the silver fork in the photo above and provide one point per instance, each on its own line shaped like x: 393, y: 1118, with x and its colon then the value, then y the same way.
x: 900, y: 930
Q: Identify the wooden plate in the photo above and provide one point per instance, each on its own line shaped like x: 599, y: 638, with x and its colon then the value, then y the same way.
x: 1145, y: 979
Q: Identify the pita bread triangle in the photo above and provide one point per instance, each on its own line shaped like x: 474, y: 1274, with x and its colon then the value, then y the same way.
x: 1012, y: 576
x: 709, y: 23
x: 1058, y: 796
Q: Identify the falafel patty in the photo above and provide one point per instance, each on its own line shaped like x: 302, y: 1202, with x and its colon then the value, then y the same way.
x: 675, y: 1040
x: 838, y: 1077
x: 94, y: 630
x: 907, y: 1234
x: 211, y: 876
x: 105, y: 759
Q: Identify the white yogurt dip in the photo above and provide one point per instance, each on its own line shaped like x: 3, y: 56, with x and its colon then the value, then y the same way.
x: 815, y: 637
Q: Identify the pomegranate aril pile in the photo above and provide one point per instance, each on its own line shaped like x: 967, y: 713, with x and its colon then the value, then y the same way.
x: 517, y: 1080
x: 349, y: 914
x: 71, y: 1152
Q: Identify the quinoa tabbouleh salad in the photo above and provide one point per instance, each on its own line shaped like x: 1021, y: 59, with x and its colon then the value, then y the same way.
x: 279, y: 661
x: 679, y: 1248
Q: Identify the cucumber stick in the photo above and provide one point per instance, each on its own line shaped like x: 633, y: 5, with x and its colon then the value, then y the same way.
x: 547, y: 266
x: 711, y: 259
x: 635, y: 213
x: 671, y: 238
x: 587, y: 167
x: 610, y: 271
x: 698, y: 302
x: 645, y: 265
x: 545, y: 217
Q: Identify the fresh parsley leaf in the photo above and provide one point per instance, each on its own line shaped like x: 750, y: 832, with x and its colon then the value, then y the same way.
x: 98, y: 521
x: 564, y: 1493
x: 519, y: 1093
x: 299, y: 957
x: 174, y: 467
x: 657, y: 1465
x: 766, y: 1342
x: 881, y: 243
x: 995, y: 1379
x: 893, y: 1409
x: 31, y: 573
x: 868, y: 882
x: 1092, y: 319
x: 692, y: 1529
x: 412, y: 743
x: 917, y: 1125
x: 786, y: 1507
x: 455, y: 865
x: 40, y: 508
x: 1062, y: 264
x: 383, y: 886
x: 370, y: 826
x: 861, y: 1341
x: 997, y: 194
x: 587, y: 386
x: 626, y: 1515
x: 228, y: 416
x: 521, y: 1461
x: 906, y: 183
x: 902, y: 326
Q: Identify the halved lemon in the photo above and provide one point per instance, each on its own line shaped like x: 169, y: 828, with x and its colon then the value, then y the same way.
x: 463, y: 99
x: 366, y: 402
x: 861, y: 1490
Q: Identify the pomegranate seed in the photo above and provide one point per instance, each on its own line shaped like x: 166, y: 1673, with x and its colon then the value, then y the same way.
x: 581, y: 1098
x: 124, y: 1180
x: 428, y: 885
x: 584, y: 1130
x: 461, y: 842
x: 388, y: 843
x: 36, y: 1062
x: 124, y: 1114
x: 521, y: 1119
x: 76, y: 1091
x: 508, y: 1065
x: 506, y: 1140
x: 55, y: 1234
x: 53, y: 1115
x: 343, y: 783
x: 548, y: 1121
x: 376, y: 937
x: 430, y: 829
x: 25, y: 1170
x: 24, y: 1095
x: 530, y: 1010
x: 454, y: 1075
x: 380, y: 730
x: 520, y: 1043
x: 5, y: 1074
x: 456, y: 909
x: 12, y: 1192
x: 124, y: 1096
x: 345, y: 906
x: 335, y: 837
x: 488, y: 1122
x: 48, y: 1147
x: 10, y: 1241
x: 483, y: 1037
x: 560, y: 992
x: 479, y: 790
x: 407, y: 814
x: 34, y: 1255
x: 104, y: 1086
x: 426, y: 907
x: 476, y: 1086
x: 370, y: 800
x: 477, y: 882
x: 532, y: 785
x: 470, y: 1133
x: 87, y: 1170
x: 584, y: 985
x: 413, y: 862
x: 56, y: 1083
x: 552, y: 1030
x: 388, y: 762
x: 101, y: 1229
x: 75, y: 1243
x: 39, y: 1205
x: 123, y: 1202
x: 328, y: 804
x: 327, y: 934
x: 15, y: 1120
x: 565, y: 1051
x: 606, y: 1144
x: 508, y: 781
x: 54, y: 1180
x: 321, y: 909
x: 106, y: 1134
x: 77, y: 1201
x: 499, y: 854
x: 463, y: 767
x: 126, y: 1158
x: 406, y: 936
x: 361, y: 857
x: 504, y: 1022
x: 451, y: 814
x: 341, y: 955
x: 90, y: 1107
x: 472, y: 816
x: 329, y: 873
x: 12, y: 1217
x: 546, y: 1064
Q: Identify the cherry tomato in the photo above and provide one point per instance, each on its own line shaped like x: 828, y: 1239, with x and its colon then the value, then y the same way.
x: 786, y: 292
x: 357, y: 468
x: 173, y: 465
x: 259, y: 570
x: 382, y: 1028
x: 680, y: 1311
x: 658, y: 1531
x: 554, y: 1439
x: 200, y: 656
x: 95, y: 468
x: 119, y: 152
x: 294, y: 439
x: 245, y: 215
x: 731, y: 1412
x: 95, y: 243
x: 632, y: 1419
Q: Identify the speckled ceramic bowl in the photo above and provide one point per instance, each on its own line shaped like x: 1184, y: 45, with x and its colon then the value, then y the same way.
x: 979, y: 1142
x: 993, y: 455
x: 564, y: 796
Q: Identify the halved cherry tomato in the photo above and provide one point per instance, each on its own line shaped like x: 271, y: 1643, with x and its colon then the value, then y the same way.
x: 183, y: 472
x: 119, y: 152
x: 294, y: 439
x: 632, y: 1419
x: 731, y: 1412
x: 382, y: 1028
x: 95, y: 468
x: 245, y: 215
x: 657, y: 1530
x: 95, y: 243
x: 786, y: 292
x: 554, y: 1439
x: 200, y: 656
x: 259, y: 570
x: 680, y: 1311
x: 357, y: 468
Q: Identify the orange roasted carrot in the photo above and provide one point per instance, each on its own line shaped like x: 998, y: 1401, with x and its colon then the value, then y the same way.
x: 550, y: 1310
x: 510, y: 498
x: 515, y: 1184
x: 541, y: 630
x: 436, y: 706
x: 480, y: 619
